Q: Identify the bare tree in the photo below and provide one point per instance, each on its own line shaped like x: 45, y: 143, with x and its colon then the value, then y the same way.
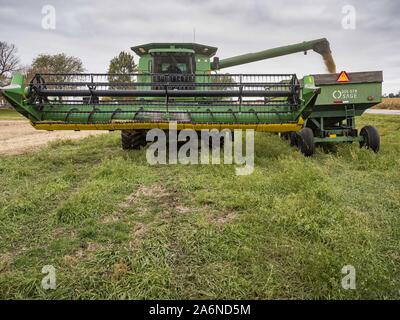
x: 9, y: 60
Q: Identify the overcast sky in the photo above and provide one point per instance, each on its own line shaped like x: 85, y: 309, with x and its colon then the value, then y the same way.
x: 97, y: 30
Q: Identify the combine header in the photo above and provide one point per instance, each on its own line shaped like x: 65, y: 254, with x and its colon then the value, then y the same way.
x: 175, y: 83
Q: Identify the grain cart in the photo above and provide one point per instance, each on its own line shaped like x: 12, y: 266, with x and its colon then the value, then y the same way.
x: 343, y: 96
x: 175, y: 82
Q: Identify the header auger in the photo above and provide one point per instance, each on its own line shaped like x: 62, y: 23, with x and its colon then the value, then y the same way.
x: 176, y: 82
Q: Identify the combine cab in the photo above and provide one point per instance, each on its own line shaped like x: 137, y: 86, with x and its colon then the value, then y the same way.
x: 175, y: 83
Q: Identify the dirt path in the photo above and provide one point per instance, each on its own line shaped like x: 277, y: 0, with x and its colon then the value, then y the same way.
x: 383, y: 111
x: 18, y: 136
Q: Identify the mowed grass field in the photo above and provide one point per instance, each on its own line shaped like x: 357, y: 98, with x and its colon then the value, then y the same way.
x: 115, y: 227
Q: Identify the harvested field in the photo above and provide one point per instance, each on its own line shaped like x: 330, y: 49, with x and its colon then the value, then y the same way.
x: 389, y: 104
x: 18, y: 136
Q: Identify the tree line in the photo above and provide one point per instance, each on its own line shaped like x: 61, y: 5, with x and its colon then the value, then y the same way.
x: 392, y: 95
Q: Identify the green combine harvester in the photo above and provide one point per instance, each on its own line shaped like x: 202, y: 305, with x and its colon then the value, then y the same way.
x: 178, y: 82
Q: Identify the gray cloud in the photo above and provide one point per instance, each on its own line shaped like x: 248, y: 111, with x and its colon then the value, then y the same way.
x: 97, y: 30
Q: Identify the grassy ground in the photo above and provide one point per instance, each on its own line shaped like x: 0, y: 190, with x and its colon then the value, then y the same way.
x: 9, y: 114
x: 115, y: 227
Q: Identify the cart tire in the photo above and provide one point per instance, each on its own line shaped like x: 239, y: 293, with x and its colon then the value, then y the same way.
x: 305, y: 141
x: 371, y: 138
x: 133, y: 139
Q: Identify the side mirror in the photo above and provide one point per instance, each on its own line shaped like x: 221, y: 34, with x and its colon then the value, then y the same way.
x: 215, y: 63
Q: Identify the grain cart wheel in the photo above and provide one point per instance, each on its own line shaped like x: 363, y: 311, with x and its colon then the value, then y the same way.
x: 305, y: 141
x: 371, y: 139
x: 133, y: 139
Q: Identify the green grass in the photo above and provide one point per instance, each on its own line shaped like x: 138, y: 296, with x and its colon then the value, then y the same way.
x: 8, y: 114
x: 115, y: 227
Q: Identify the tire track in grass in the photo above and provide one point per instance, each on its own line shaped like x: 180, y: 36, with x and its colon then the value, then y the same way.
x: 151, y: 211
x: 139, y: 266
x: 191, y: 231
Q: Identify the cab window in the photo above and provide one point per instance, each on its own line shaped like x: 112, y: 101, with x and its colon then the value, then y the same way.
x: 173, y: 63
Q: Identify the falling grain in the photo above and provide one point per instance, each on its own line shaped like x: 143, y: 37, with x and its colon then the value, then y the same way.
x: 329, y: 62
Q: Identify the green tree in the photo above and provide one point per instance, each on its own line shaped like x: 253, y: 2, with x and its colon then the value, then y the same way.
x: 56, y: 63
x: 123, y: 65
x: 59, y: 64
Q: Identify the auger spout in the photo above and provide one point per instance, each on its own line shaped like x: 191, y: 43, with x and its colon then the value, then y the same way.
x: 320, y: 46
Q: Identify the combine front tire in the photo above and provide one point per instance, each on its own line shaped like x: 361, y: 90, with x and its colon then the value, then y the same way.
x: 284, y: 135
x: 293, y: 139
x: 305, y: 141
x: 371, y: 139
x: 133, y: 139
